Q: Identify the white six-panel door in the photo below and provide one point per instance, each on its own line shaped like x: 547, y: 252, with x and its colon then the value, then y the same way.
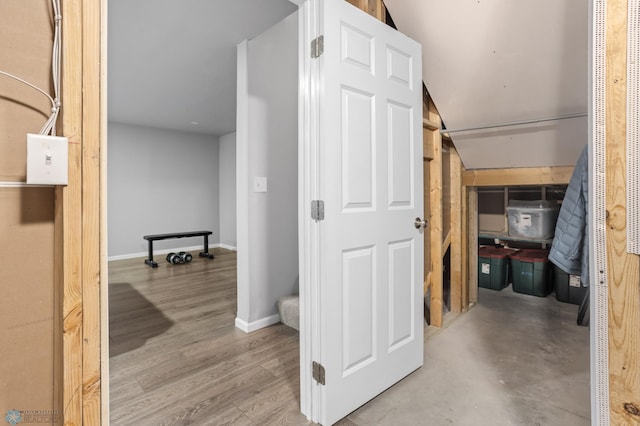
x: 367, y: 315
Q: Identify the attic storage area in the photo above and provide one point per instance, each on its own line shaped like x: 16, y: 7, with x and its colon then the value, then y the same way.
x: 504, y: 122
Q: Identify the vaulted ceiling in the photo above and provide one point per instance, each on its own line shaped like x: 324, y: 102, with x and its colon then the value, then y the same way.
x: 494, y: 62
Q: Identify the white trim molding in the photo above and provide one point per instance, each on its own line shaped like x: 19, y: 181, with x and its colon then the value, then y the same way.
x: 249, y: 327
x: 165, y: 251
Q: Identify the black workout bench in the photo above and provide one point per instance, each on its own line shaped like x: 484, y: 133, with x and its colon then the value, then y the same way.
x: 152, y: 238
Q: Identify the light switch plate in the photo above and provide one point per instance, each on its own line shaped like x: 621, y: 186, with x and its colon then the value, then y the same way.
x: 259, y: 184
x: 47, y: 159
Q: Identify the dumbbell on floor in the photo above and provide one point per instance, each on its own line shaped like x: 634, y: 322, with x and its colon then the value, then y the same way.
x: 185, y: 257
x: 181, y: 257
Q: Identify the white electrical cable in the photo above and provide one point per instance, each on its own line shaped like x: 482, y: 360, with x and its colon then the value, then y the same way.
x: 50, y: 125
x: 30, y: 85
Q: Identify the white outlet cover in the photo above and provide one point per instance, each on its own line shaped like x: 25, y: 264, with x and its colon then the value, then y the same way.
x: 47, y: 159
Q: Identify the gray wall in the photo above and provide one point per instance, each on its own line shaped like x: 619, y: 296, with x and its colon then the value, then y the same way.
x: 267, y: 136
x: 228, y: 190
x: 160, y: 181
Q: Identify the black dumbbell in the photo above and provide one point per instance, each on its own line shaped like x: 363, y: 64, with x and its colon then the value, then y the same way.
x: 185, y: 257
x: 174, y: 258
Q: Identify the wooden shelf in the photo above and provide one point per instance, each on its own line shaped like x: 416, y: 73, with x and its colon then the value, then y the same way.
x: 505, y: 236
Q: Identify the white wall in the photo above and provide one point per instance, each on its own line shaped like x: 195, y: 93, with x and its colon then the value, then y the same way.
x: 227, y: 172
x: 267, y: 138
x: 160, y: 181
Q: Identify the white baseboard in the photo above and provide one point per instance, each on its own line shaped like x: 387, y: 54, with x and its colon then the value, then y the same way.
x: 165, y: 251
x: 248, y: 327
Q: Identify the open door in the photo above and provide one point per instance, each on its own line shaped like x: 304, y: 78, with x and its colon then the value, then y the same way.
x: 362, y: 236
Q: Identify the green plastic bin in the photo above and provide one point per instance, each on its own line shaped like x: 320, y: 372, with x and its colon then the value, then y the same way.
x: 531, y: 272
x: 493, y: 267
x: 568, y: 288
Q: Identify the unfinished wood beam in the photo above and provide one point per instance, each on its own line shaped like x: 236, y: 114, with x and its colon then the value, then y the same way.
x: 91, y: 210
x: 464, y: 248
x: 457, y: 282
x: 426, y: 214
x: 427, y: 124
x: 426, y: 284
x: 623, y: 271
x: 518, y: 176
x: 375, y: 8
x: 79, y: 214
x: 378, y: 10
x: 472, y: 241
x: 434, y: 160
x: 69, y: 215
x: 428, y: 136
x: 356, y: 3
x: 435, y: 224
x: 446, y: 243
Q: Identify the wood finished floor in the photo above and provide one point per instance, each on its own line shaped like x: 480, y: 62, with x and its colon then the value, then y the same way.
x: 176, y: 357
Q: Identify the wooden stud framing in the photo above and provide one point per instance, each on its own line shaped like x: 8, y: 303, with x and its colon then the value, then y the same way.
x: 426, y: 213
x: 446, y: 242
x: 427, y: 283
x: 69, y: 213
x: 428, y: 124
x: 472, y: 238
x: 521, y: 176
x: 464, y: 248
x: 79, y: 213
x: 435, y: 221
x: 375, y: 8
x: 457, y: 279
x: 91, y: 211
x: 623, y: 268
x: 427, y: 142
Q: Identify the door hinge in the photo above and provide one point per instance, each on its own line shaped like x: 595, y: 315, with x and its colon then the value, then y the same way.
x: 317, y: 46
x: 318, y: 372
x: 317, y: 210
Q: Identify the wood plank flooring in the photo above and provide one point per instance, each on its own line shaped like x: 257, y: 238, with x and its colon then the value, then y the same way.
x: 176, y: 357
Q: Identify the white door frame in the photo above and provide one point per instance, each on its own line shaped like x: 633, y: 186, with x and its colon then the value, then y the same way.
x: 308, y: 138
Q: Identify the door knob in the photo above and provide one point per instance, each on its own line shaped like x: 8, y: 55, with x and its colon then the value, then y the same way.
x: 420, y: 223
